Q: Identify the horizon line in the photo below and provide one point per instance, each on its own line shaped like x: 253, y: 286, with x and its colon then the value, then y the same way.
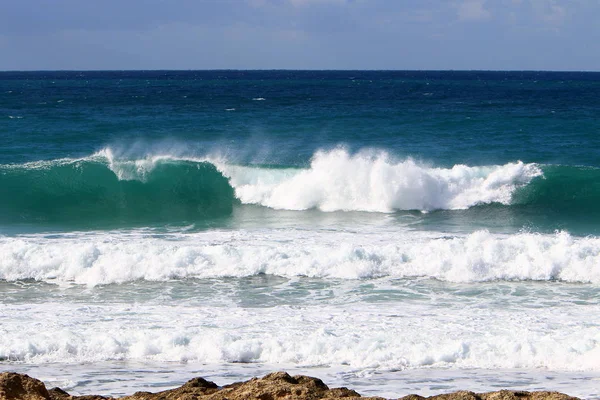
x: 296, y: 70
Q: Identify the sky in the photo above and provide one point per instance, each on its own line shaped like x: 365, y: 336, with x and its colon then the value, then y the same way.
x: 561, y: 35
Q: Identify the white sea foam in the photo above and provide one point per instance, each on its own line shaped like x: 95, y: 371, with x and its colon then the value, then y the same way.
x: 361, y: 336
x: 367, y: 181
x: 478, y: 257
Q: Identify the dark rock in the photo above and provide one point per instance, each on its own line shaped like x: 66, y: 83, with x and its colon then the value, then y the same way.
x: 58, y: 394
x: 274, y: 386
x: 15, y: 386
x: 499, y: 395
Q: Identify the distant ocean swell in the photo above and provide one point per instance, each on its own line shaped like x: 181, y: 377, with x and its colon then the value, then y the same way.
x: 477, y: 257
x: 100, y: 188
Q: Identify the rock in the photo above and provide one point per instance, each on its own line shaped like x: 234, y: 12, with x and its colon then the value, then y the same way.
x: 58, y: 394
x: 500, y: 395
x: 275, y: 386
x: 15, y: 386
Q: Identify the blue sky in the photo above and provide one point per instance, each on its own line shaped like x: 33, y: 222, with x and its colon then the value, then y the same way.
x: 300, y: 34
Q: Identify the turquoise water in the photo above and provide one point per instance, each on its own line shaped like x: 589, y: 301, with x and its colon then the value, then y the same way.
x: 408, y: 228
x: 278, y: 119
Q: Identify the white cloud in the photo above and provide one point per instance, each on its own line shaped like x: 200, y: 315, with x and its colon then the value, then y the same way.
x: 472, y: 10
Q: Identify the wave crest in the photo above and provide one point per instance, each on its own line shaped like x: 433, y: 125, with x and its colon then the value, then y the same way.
x: 337, y: 180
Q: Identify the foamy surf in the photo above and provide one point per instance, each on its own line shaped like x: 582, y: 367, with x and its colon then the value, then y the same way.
x: 478, y: 257
x: 365, y: 336
x: 373, y: 181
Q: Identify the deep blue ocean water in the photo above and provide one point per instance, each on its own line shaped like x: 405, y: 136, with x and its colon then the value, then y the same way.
x: 224, y: 222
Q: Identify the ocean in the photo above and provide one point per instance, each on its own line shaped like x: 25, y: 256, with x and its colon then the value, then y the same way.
x: 395, y: 232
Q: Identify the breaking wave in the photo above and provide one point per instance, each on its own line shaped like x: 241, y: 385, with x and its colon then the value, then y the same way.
x: 163, y: 188
x: 103, y: 188
x: 337, y: 180
x: 478, y: 257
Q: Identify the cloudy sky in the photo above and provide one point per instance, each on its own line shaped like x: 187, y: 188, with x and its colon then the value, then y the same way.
x: 300, y: 34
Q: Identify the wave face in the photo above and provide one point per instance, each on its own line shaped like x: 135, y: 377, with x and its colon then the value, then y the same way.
x: 103, y: 189
x: 563, y: 189
x: 478, y: 257
x: 98, y: 189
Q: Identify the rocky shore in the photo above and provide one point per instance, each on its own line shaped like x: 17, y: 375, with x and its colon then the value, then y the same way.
x: 275, y: 386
